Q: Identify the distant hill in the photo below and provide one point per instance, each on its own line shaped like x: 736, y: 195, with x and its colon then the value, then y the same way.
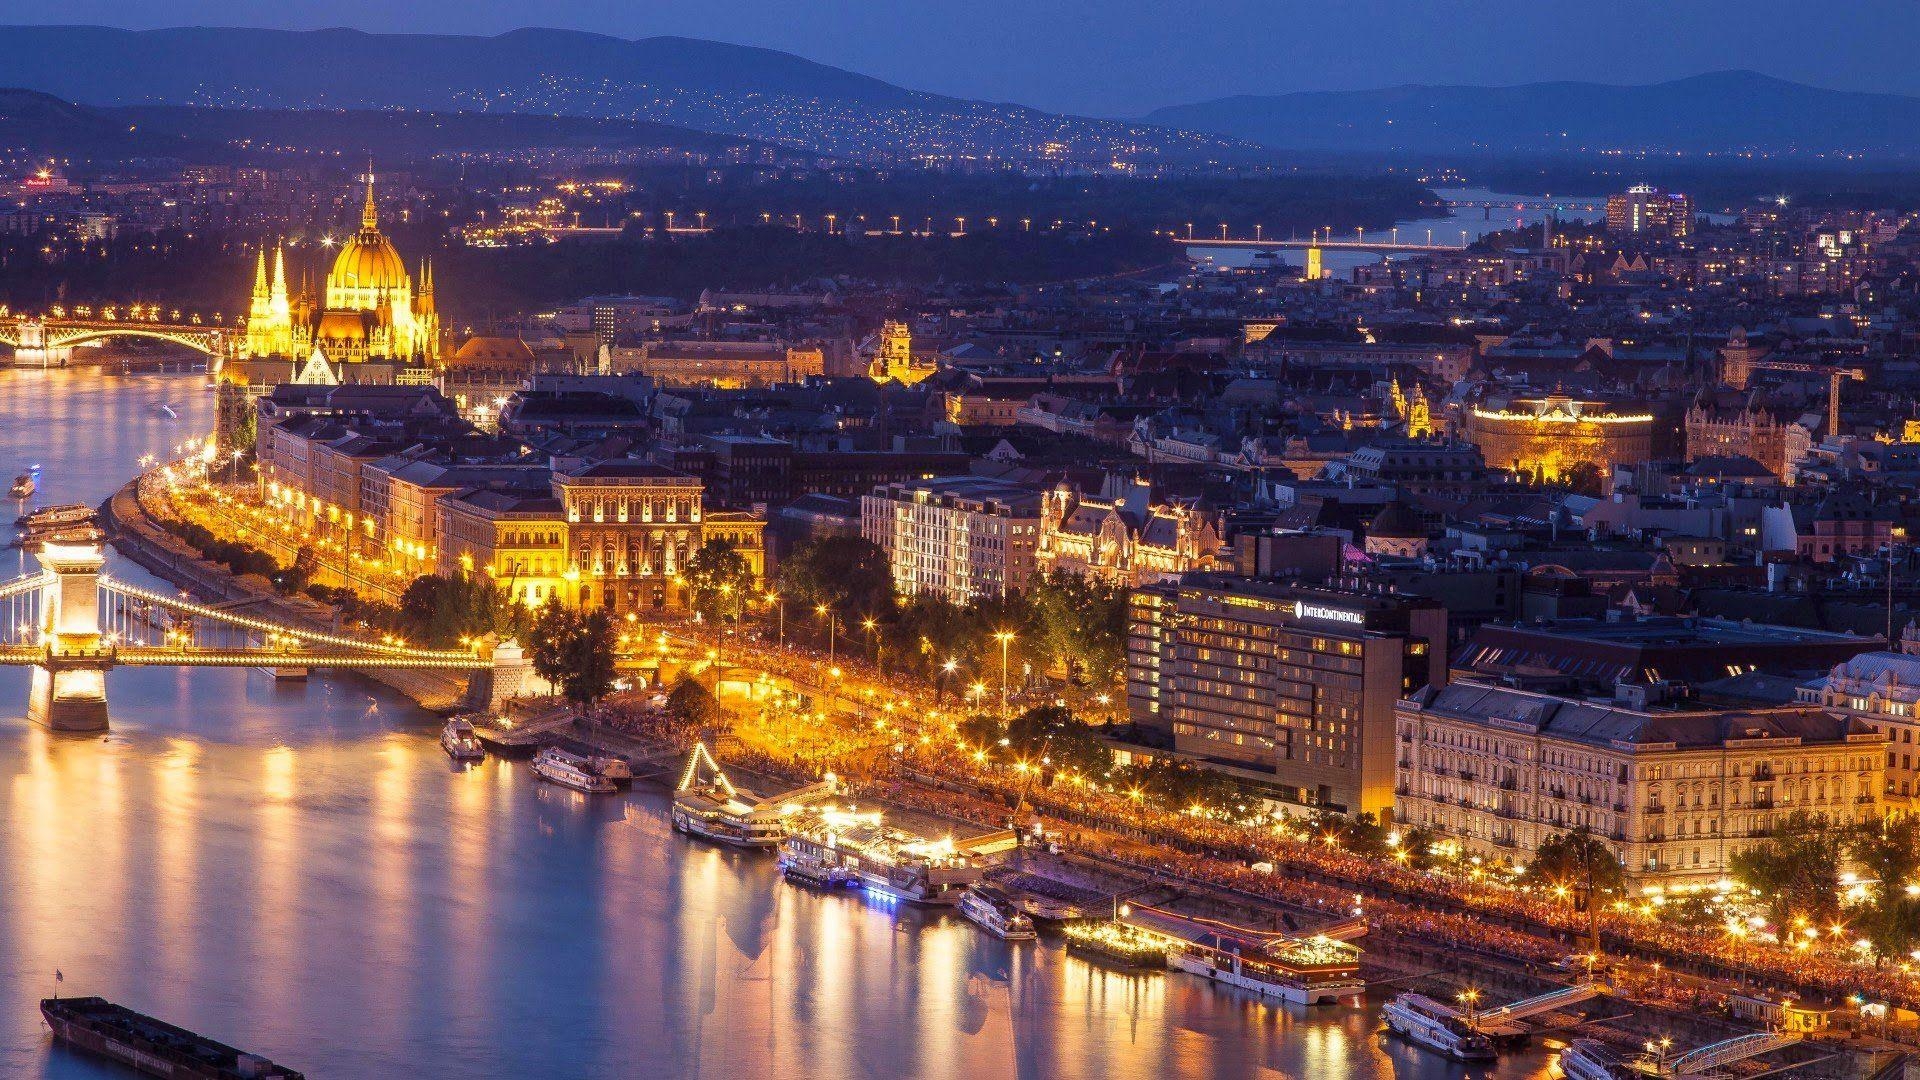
x: 1728, y: 111
x: 709, y: 86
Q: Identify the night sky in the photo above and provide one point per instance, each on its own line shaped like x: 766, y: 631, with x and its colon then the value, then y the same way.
x: 1123, y: 57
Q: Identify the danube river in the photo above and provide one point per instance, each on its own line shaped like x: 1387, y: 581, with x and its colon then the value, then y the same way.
x: 301, y: 872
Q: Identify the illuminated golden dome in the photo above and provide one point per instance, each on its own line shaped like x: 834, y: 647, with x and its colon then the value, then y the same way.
x: 369, y: 260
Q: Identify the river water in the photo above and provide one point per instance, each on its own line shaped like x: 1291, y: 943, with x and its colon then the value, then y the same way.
x: 301, y: 872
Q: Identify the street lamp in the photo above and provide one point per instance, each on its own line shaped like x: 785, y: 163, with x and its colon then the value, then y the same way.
x: 873, y: 637
x: 1005, y: 638
x: 833, y: 626
x: 780, y: 603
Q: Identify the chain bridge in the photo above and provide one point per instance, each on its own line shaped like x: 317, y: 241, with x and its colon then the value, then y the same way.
x: 71, y: 624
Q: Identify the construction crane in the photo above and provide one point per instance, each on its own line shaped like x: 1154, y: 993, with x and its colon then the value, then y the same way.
x: 1834, y: 376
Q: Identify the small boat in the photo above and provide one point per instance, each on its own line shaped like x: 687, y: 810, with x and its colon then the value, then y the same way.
x: 995, y: 912
x: 166, y: 411
x: 613, y: 767
x: 1438, y: 1027
x: 459, y: 741
x: 150, y: 1046
x: 23, y: 486
x: 570, y: 770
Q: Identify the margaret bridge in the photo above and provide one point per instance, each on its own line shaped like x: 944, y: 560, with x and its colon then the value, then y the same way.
x: 46, y: 340
x: 71, y: 624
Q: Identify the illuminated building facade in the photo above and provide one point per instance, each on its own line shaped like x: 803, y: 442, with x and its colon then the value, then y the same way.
x: 958, y: 538
x: 1749, y: 431
x: 1550, y: 436
x: 631, y: 526
x: 1675, y: 794
x: 369, y: 310
x: 893, y: 356
x: 1124, y: 538
x: 1288, y: 687
x: 1645, y: 210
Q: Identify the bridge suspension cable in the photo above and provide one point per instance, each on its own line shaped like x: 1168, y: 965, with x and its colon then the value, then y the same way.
x: 176, y: 604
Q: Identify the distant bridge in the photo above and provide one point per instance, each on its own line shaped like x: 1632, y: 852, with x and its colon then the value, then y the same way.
x: 1383, y: 246
x: 38, y: 340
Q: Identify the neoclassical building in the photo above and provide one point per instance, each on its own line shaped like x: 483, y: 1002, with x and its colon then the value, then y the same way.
x: 1676, y: 793
x: 1123, y: 537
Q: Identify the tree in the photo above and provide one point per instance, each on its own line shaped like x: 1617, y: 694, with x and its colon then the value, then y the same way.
x: 591, y: 660
x: 848, y: 573
x: 548, y: 639
x: 1889, y: 855
x: 691, y: 703
x: 573, y: 651
x: 1585, y: 478
x: 1065, y: 742
x: 1796, y: 871
x: 1578, y: 862
x: 721, y: 580
x: 1082, y: 626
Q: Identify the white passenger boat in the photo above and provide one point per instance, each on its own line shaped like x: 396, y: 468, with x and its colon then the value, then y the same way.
x: 1436, y: 1026
x: 707, y: 804
x: 459, y: 741
x: 995, y: 912
x: 1590, y: 1059
x: 570, y: 770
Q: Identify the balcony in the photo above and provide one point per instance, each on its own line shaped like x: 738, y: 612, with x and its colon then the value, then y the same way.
x: 1509, y: 785
x: 1762, y: 773
x: 1654, y: 808
x: 1465, y: 774
x: 1864, y: 800
x: 1763, y: 802
x: 1619, y: 808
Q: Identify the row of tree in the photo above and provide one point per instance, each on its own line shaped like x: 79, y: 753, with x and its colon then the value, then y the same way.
x: 1067, y: 625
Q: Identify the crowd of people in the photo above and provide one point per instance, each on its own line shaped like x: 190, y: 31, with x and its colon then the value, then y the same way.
x: 1464, y: 908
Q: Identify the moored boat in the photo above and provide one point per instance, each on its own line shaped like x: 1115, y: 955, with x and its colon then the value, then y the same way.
x: 708, y: 804
x: 882, y: 859
x: 1591, y: 1059
x: 152, y: 1046
x: 23, y: 486
x: 459, y: 741
x: 1436, y: 1026
x: 570, y: 770
x: 995, y: 912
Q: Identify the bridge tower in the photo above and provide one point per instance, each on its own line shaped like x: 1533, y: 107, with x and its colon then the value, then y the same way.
x: 32, y: 350
x: 1314, y: 270
x: 70, y: 686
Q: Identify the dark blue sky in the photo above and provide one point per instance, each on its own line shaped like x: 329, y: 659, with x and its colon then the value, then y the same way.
x: 1120, y: 57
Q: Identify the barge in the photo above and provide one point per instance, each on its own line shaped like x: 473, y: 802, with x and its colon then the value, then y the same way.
x: 151, y: 1046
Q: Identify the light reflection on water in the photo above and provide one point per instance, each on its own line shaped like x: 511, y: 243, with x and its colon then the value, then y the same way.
x: 300, y: 871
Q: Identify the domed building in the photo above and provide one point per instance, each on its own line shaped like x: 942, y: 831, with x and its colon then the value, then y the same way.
x: 370, y: 311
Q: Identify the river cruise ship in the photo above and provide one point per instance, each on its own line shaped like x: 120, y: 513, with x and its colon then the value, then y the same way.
x: 1438, y: 1027
x: 995, y: 912
x: 1316, y: 969
x: 570, y: 770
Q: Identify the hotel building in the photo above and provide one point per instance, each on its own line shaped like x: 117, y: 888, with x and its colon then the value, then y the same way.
x: 1287, y: 687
